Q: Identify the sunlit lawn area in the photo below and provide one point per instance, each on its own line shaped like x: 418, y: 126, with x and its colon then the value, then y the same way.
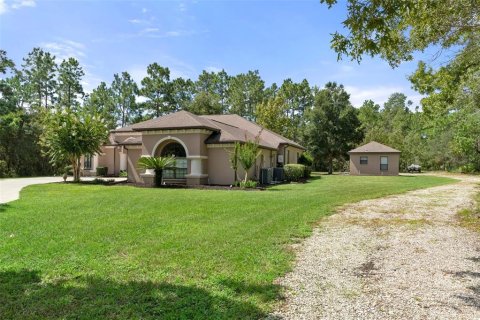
x: 120, y: 252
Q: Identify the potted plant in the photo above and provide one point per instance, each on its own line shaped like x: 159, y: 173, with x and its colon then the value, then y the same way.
x: 157, y: 164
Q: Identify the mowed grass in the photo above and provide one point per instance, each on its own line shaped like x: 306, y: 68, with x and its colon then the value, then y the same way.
x: 470, y: 218
x: 116, y: 252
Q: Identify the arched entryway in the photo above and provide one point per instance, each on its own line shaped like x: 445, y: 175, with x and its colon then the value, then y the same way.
x: 173, y: 148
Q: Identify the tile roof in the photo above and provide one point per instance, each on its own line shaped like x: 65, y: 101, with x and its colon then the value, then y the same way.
x: 374, y: 147
x: 225, y: 128
x: 177, y: 120
x: 248, y: 130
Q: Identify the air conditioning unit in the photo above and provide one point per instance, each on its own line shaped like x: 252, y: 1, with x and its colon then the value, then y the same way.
x: 266, y: 175
x: 278, y: 174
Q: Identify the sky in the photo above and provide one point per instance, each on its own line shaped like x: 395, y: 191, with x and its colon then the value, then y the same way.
x: 280, y: 39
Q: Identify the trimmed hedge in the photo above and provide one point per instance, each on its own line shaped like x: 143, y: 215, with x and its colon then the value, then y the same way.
x: 296, y: 172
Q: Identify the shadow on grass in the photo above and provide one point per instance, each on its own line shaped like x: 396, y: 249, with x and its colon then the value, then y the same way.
x: 4, y: 207
x: 24, y: 296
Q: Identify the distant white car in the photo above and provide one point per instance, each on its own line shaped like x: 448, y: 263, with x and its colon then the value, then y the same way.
x: 414, y: 168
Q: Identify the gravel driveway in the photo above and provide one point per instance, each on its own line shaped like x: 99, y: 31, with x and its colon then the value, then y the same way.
x: 399, y: 257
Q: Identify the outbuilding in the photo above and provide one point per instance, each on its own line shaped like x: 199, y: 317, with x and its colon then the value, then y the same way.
x: 374, y: 159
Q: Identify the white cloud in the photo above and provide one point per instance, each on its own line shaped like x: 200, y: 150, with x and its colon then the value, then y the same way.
x: 144, y: 10
x: 5, y: 5
x: 213, y: 69
x: 379, y: 94
x: 137, y: 72
x: 150, y: 30
x: 64, y: 49
x: 137, y: 21
x: 182, y: 7
x: 178, y: 69
x: 23, y: 3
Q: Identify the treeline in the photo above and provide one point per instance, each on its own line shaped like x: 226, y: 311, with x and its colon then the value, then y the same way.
x: 323, y: 119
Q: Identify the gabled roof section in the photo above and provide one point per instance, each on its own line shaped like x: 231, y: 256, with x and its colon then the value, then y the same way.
x: 177, y: 120
x: 240, y: 129
x: 374, y: 147
x: 226, y: 128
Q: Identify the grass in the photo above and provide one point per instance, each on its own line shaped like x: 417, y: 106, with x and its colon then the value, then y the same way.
x: 470, y: 218
x: 116, y: 252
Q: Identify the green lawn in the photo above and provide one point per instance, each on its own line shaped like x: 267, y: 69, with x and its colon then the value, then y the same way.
x: 116, y: 252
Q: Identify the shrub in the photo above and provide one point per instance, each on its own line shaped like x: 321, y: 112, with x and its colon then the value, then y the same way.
x: 104, y: 182
x: 102, y: 171
x: 249, y: 184
x: 294, y: 172
x: 305, y: 159
x: 307, y: 172
x: 4, y: 172
x: 123, y: 173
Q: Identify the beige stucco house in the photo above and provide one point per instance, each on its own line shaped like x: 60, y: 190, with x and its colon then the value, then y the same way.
x: 201, y: 145
x: 374, y: 159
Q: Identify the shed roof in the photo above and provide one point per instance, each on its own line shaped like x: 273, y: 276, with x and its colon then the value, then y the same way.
x: 374, y: 147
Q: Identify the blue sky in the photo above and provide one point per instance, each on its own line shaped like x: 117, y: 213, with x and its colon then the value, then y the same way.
x: 282, y: 39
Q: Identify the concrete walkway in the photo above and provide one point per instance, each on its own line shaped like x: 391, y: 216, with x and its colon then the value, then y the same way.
x: 10, y: 188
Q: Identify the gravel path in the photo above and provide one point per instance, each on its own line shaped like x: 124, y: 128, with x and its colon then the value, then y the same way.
x: 399, y: 257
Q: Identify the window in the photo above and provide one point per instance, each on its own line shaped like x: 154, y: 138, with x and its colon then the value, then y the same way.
x: 87, y: 162
x: 384, y: 163
x: 180, y: 169
x: 364, y: 160
x: 288, y: 156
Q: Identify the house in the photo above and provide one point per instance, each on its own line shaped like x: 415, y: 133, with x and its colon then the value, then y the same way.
x: 200, y: 144
x: 374, y: 159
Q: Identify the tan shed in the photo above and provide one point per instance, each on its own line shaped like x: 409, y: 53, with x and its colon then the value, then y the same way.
x: 374, y: 159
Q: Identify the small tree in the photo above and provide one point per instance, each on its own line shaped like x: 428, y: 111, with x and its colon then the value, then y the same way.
x: 247, y: 154
x: 158, y: 164
x: 68, y: 135
x: 234, y: 160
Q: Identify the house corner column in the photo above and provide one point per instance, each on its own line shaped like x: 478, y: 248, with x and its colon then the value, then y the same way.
x: 197, y: 173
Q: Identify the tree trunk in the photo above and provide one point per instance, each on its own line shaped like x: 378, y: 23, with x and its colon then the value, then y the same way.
x: 76, y: 170
x: 246, y: 175
x: 330, y: 166
x: 158, y: 177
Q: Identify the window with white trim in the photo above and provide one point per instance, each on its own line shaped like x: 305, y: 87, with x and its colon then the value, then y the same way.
x: 384, y: 163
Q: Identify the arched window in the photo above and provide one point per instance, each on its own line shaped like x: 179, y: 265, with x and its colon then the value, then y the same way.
x: 174, y: 149
x: 180, y: 169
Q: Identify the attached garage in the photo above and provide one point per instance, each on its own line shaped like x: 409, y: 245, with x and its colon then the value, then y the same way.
x: 374, y: 159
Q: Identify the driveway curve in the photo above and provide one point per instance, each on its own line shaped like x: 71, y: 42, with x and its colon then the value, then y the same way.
x: 10, y: 188
x: 399, y: 257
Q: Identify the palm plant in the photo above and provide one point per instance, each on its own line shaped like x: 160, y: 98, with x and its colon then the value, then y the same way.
x: 158, y: 164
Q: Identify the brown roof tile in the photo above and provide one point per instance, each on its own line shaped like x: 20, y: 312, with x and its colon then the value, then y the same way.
x: 225, y: 128
x: 249, y: 130
x: 374, y: 147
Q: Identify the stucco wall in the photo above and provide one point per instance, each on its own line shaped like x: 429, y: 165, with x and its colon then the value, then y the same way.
x: 373, y: 166
x: 290, y: 153
x: 108, y: 159
x: 194, y: 142
x: 218, y: 166
x: 132, y: 169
